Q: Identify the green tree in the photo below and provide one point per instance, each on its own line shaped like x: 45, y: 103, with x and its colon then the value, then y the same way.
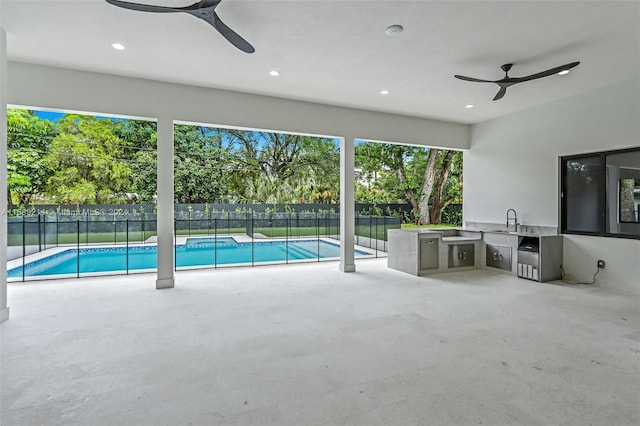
x: 141, y: 139
x: 447, y: 187
x: 28, y: 139
x: 87, y: 160
x: 304, y: 168
x: 386, y: 165
x: 140, y: 135
x: 423, y: 176
x: 201, y: 161
x: 144, y: 175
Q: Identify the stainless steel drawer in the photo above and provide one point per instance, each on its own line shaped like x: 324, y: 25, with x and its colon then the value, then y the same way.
x: 428, y: 253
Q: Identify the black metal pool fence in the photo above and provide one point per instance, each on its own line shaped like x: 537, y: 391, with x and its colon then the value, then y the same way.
x: 29, y: 234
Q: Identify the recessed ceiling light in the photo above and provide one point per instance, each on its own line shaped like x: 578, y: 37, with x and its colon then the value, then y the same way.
x: 384, y: 92
x: 274, y: 73
x: 394, y: 30
x: 564, y: 72
x: 468, y: 106
x: 118, y: 46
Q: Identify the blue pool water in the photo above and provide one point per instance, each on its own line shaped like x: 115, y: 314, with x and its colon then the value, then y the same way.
x: 195, y: 252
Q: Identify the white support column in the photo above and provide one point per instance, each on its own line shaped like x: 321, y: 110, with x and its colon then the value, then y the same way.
x: 165, y: 204
x: 347, y: 207
x: 4, y: 309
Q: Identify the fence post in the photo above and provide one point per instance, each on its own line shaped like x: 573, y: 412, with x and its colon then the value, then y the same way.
x: 39, y: 234
x: 127, y: 242
x: 286, y: 239
x: 24, y: 248
x: 318, y: 235
x: 215, y: 242
x: 384, y: 229
x: 252, y: 243
x: 383, y: 218
x: 78, y: 249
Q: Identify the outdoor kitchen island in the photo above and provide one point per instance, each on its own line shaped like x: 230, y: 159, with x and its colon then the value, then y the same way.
x: 427, y: 251
x: 530, y: 255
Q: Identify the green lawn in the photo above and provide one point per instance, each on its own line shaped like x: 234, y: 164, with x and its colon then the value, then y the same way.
x: 440, y: 225
x: 185, y: 232
x: 72, y: 238
x: 278, y: 232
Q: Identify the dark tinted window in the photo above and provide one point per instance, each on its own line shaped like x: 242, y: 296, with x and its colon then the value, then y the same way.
x: 584, y: 194
x: 601, y: 193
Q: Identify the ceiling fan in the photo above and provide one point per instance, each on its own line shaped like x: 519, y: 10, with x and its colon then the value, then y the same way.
x: 204, y: 10
x: 510, y: 81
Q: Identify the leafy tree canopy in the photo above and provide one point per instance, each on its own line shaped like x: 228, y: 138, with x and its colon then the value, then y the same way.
x: 85, y: 159
x: 428, y: 178
x: 28, y: 139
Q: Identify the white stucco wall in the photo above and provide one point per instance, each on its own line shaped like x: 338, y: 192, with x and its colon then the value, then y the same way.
x: 513, y: 162
x: 57, y: 88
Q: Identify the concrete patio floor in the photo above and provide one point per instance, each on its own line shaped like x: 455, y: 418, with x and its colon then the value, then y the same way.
x: 305, y: 344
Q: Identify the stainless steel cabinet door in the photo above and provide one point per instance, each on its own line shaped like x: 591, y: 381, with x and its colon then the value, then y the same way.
x: 461, y: 255
x: 498, y: 256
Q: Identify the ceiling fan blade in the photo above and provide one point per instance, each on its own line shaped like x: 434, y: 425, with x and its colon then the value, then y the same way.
x: 546, y: 73
x: 143, y: 7
x: 204, y: 9
x: 233, y: 37
x: 501, y: 93
x: 475, y: 80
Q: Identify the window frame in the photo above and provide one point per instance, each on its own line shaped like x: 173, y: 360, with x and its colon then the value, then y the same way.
x: 602, y: 195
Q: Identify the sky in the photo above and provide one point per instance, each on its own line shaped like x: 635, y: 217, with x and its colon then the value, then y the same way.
x: 48, y: 115
x: 56, y: 116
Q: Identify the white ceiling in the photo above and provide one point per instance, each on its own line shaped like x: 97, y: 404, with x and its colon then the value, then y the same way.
x: 336, y: 51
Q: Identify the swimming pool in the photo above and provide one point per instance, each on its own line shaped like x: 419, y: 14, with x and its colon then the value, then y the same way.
x: 194, y: 253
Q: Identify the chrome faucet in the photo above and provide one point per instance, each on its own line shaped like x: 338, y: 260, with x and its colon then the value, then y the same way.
x: 515, y: 219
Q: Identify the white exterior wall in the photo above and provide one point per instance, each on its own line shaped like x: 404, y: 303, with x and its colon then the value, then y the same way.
x: 70, y: 90
x: 513, y: 162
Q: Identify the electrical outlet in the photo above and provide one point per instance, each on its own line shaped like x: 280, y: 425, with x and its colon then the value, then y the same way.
x: 600, y: 264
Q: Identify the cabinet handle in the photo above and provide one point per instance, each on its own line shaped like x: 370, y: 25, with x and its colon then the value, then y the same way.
x: 495, y: 256
x: 464, y: 255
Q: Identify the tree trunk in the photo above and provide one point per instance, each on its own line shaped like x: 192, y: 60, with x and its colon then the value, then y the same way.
x: 427, y: 186
x: 444, y: 206
x: 438, y: 203
x: 409, y: 193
